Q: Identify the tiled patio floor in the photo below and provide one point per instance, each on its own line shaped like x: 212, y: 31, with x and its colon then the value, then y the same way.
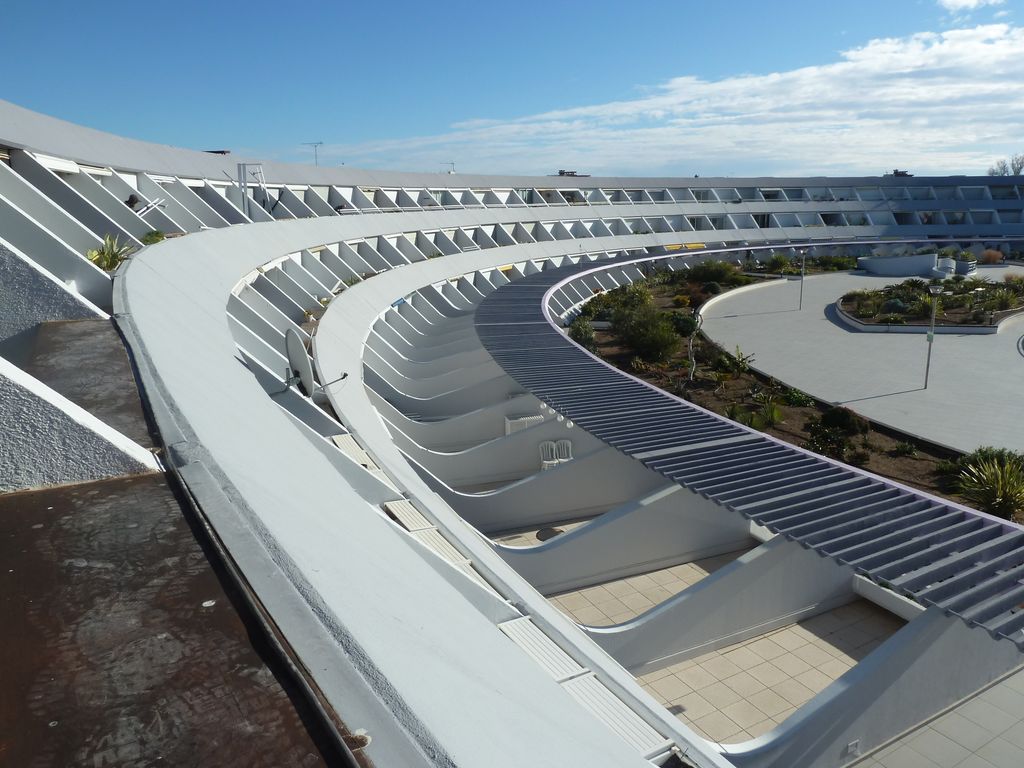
x: 744, y: 690
x: 531, y: 537
x: 623, y: 599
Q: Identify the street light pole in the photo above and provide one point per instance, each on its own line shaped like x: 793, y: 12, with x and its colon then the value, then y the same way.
x: 803, y: 269
x: 934, y: 290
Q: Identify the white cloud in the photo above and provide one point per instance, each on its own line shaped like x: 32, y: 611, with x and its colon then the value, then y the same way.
x: 959, y: 6
x: 933, y: 102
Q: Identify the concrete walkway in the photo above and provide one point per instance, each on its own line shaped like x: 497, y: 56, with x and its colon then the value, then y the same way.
x: 974, y: 395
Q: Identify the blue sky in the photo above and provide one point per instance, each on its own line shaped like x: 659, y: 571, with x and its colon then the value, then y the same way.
x: 657, y: 87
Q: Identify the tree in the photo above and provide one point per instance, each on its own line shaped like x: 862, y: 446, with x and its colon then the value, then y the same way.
x: 1012, y: 166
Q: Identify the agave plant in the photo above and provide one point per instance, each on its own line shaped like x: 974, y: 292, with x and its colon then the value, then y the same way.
x: 994, y: 486
x: 108, y: 256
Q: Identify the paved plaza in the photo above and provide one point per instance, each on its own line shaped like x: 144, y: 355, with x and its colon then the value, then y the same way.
x: 973, y: 396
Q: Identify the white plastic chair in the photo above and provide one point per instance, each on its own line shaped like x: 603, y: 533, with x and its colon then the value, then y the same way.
x: 548, y: 455
x: 563, y: 451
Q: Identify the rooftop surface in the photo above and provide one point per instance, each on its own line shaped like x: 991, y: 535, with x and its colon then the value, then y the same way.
x: 121, y: 646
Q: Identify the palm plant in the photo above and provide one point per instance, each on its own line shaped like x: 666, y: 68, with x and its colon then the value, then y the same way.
x: 994, y: 486
x: 109, y: 255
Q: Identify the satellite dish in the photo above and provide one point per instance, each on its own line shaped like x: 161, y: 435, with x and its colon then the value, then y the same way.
x: 298, y: 361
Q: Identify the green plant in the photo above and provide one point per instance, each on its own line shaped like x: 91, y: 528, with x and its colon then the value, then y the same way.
x: 735, y: 411
x: 353, y: 280
x: 685, y: 325
x: 681, y: 300
x: 582, y: 332
x: 1002, y: 299
x: 109, y: 255
x: 770, y: 413
x: 739, y: 362
x: 845, y: 420
x: 858, y: 457
x: 153, y: 237
x: 994, y: 487
x: 924, y: 306
x: 904, y: 448
x: 647, y: 331
x: 825, y: 440
x: 797, y: 398
x: 712, y: 272
x: 711, y: 288
x: 434, y: 255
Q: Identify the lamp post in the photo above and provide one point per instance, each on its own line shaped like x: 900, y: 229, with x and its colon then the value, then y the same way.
x: 934, y: 290
x: 803, y: 269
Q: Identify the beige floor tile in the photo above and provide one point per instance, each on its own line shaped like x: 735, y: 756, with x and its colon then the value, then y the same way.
x: 766, y: 648
x: 636, y: 602
x: 720, y: 667
x: 743, y: 657
x: 835, y: 668
x: 618, y: 588
x: 788, y: 639
x: 697, y: 677
x: 718, y: 726
x: 769, y: 702
x: 793, y: 691
x: 657, y: 594
x: 761, y: 728
x: 813, y: 655
x: 815, y: 680
x: 791, y: 664
x: 590, y: 615
x: 744, y: 684
x: 693, y: 706
x: 611, y: 606
x: 572, y: 600
x: 671, y: 687
x: 743, y: 713
x: 720, y: 695
x: 768, y: 674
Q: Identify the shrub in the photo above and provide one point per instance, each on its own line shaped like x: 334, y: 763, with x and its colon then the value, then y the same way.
x: 582, y: 332
x: 894, y: 306
x: 923, y: 306
x: 825, y: 440
x: 777, y: 263
x: 153, y: 237
x: 713, y: 272
x: 109, y: 255
x: 1002, y: 299
x: 648, y: 332
x: 994, y: 487
x: 859, y: 457
x: 915, y: 284
x: 735, y: 411
x: 797, y: 398
x: 685, y: 325
x: 845, y: 420
x: 712, y: 288
x: 866, y: 309
x: 904, y: 449
x: 833, y: 263
x: 990, y: 256
x: 681, y: 300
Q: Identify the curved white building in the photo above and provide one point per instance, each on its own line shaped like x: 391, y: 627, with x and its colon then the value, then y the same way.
x: 711, y: 598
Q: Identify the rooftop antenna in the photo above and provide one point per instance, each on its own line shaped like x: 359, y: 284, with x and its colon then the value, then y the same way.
x: 451, y: 167
x: 316, y: 146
